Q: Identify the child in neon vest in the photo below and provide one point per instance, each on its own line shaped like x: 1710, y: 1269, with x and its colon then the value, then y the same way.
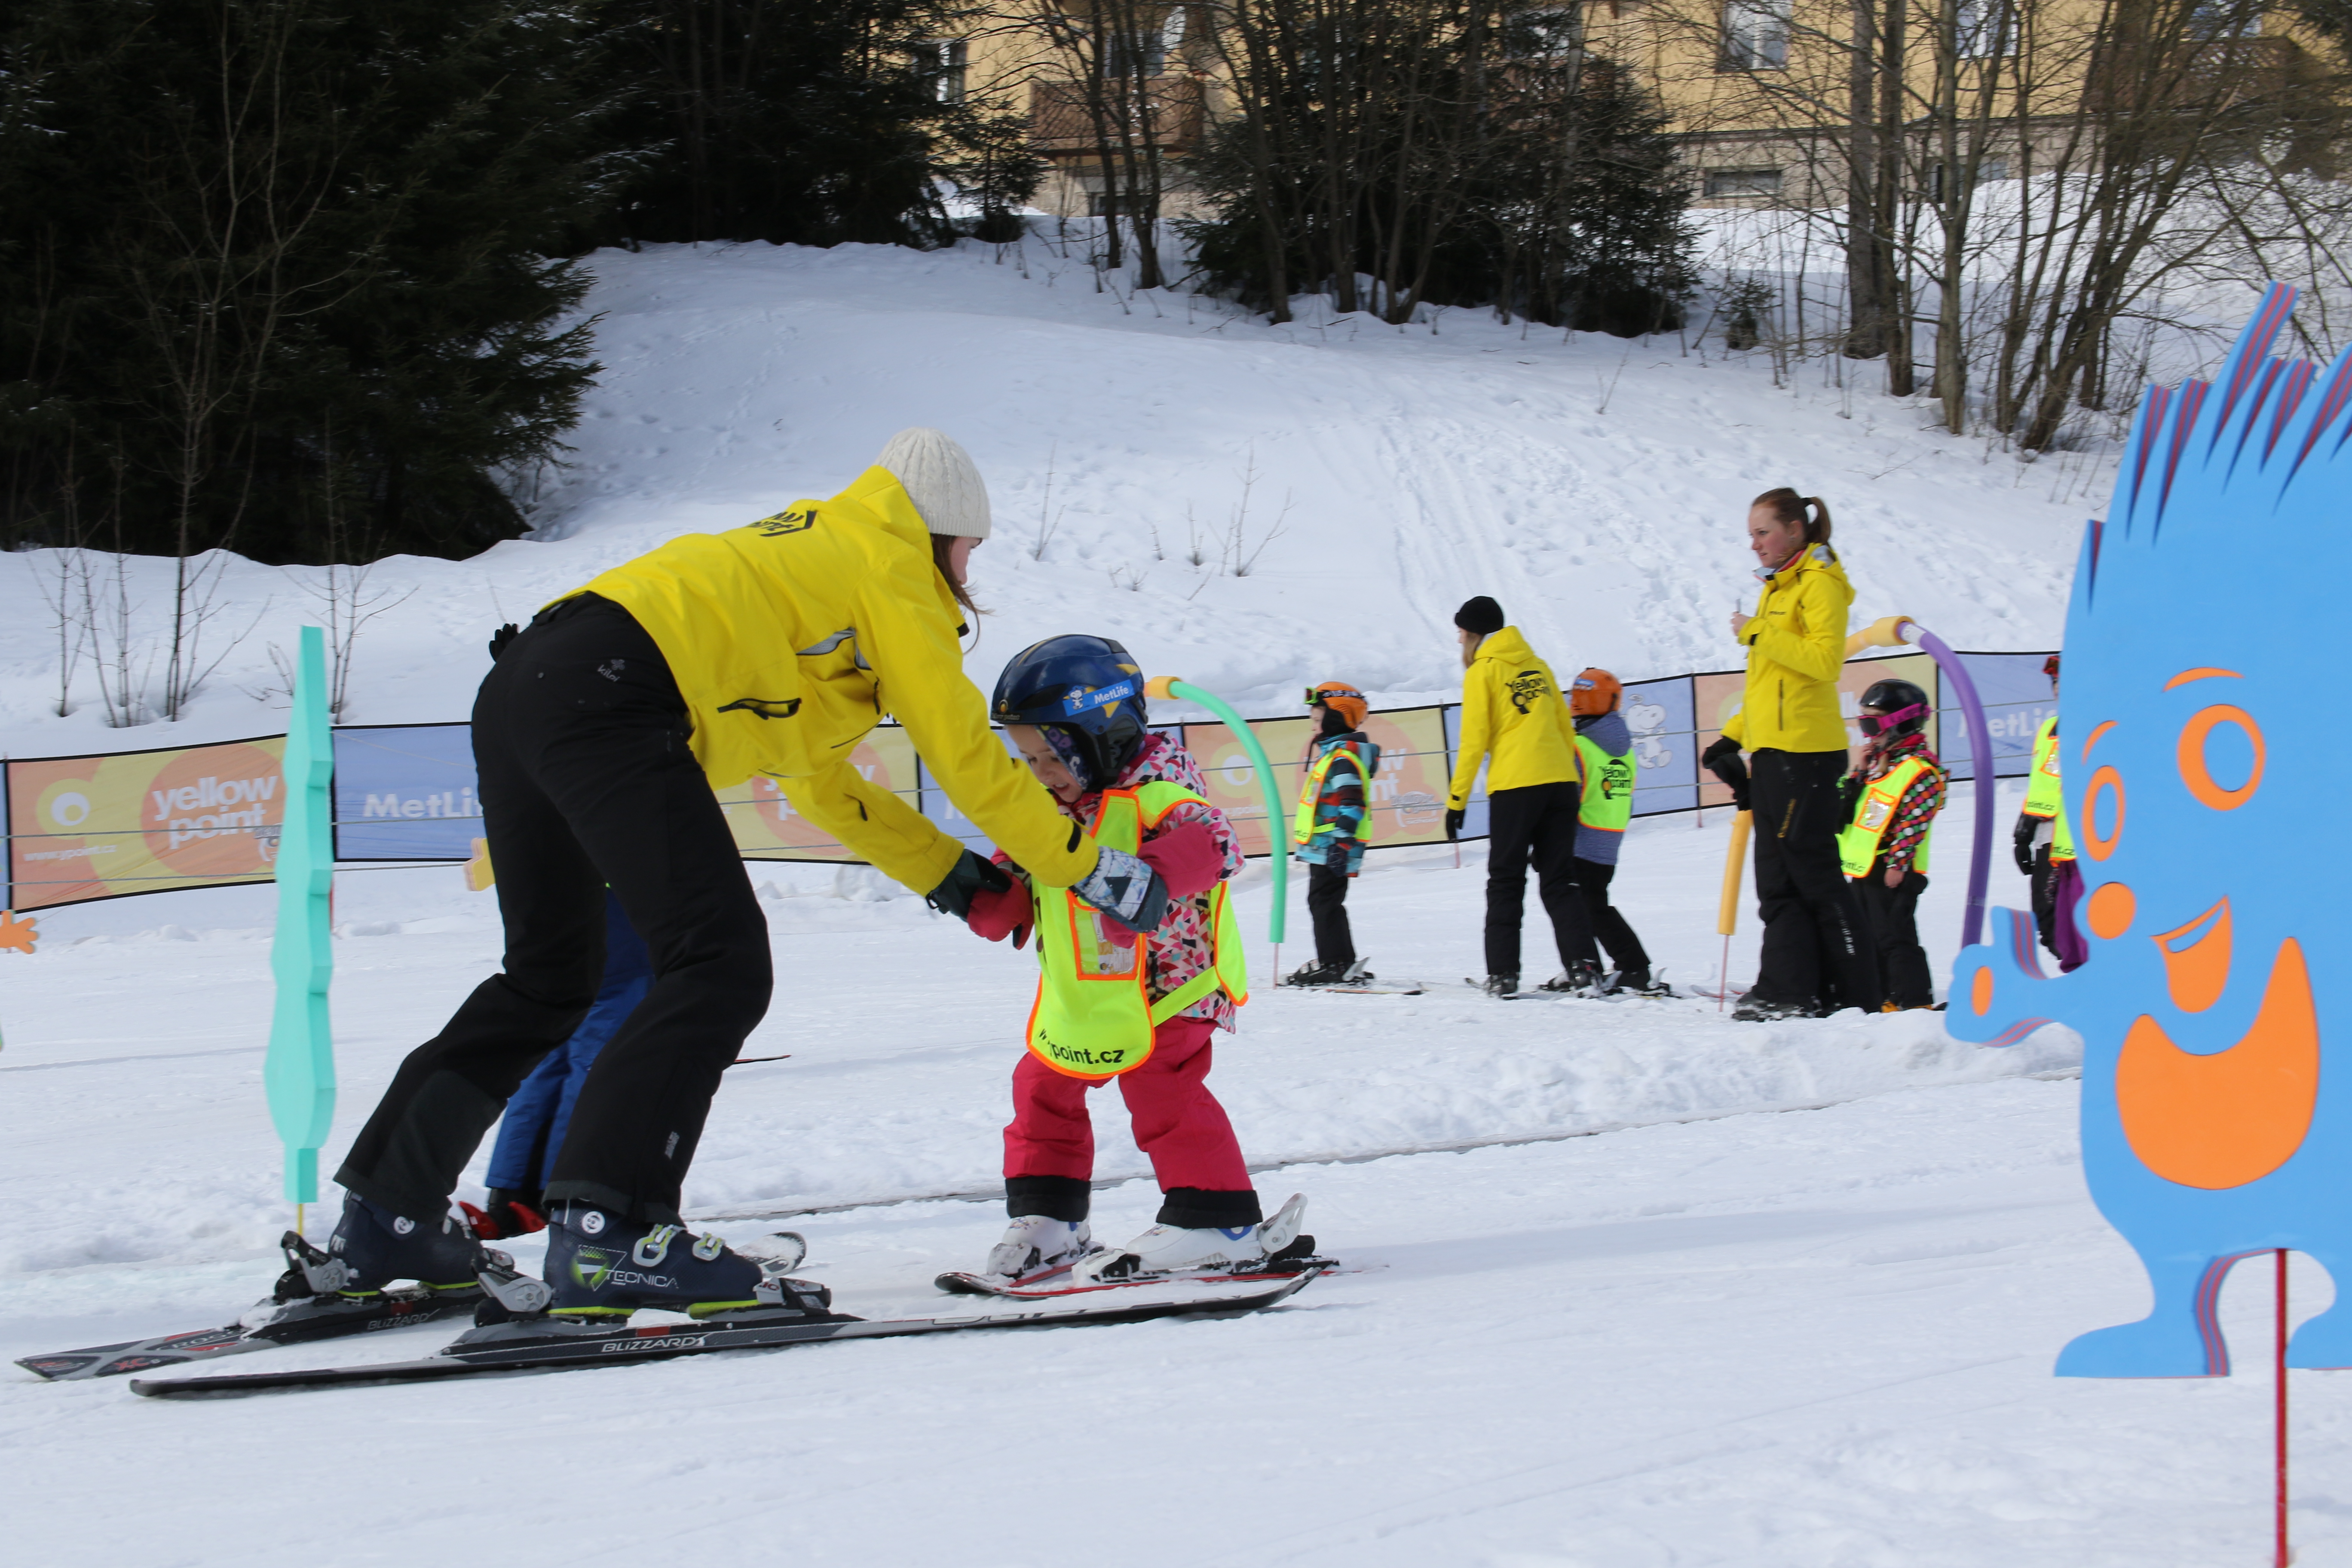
x: 1333, y: 827
x: 1210, y: 1214
x: 1893, y: 795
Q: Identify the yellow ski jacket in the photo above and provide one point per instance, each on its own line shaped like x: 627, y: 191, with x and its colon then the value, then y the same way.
x: 1511, y: 706
x: 791, y: 637
x: 1796, y: 646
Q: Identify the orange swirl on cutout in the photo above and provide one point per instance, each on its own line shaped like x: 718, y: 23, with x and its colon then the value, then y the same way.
x: 2191, y: 756
x: 2105, y: 778
x: 2202, y: 672
x: 2225, y: 1119
x: 2196, y: 959
x: 1980, y: 992
x: 2093, y: 739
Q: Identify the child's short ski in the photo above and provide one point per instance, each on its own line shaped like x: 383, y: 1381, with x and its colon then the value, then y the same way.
x: 1364, y: 990
x: 292, y: 1317
x: 1053, y: 1284
x: 539, y: 1344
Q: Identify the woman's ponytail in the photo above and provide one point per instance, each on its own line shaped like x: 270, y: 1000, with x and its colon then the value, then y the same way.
x: 1791, y: 509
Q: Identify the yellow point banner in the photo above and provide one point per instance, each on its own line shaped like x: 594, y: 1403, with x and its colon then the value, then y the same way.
x: 143, y: 822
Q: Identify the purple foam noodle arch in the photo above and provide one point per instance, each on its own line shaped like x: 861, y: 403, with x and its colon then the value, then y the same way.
x: 1980, y: 750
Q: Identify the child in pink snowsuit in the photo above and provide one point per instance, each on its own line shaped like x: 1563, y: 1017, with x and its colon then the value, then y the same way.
x: 1210, y: 1212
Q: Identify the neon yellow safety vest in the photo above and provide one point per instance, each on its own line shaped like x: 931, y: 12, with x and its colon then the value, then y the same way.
x: 1093, y: 1016
x: 1302, y: 826
x: 1858, y: 845
x: 2043, y: 796
x: 1607, y: 802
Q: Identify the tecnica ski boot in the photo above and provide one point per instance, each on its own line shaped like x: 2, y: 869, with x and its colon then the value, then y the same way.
x: 602, y: 1268
x: 373, y: 1246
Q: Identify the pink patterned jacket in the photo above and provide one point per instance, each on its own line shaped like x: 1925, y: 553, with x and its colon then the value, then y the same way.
x: 1179, y: 950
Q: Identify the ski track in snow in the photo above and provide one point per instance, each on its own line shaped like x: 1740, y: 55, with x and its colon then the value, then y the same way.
x: 1812, y: 1338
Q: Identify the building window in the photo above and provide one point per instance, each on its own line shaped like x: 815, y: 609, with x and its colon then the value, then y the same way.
x: 943, y: 63
x: 1145, y: 51
x: 1754, y: 36
x: 1743, y: 183
x: 1987, y: 30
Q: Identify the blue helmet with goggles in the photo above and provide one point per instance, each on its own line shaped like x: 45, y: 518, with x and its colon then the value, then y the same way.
x: 1087, y: 694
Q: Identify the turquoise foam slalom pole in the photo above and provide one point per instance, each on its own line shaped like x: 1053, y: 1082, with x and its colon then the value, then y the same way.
x: 300, y: 1071
x: 1278, y: 851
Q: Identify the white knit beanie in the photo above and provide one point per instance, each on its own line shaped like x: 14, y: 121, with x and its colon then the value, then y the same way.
x: 940, y: 477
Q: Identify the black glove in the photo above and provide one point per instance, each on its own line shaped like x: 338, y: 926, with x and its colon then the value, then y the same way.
x: 1126, y: 888
x: 971, y: 873
x: 1453, y: 825
x: 1722, y: 759
x: 2023, y: 842
x: 499, y: 638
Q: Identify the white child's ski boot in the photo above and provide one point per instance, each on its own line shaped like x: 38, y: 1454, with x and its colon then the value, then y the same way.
x: 1167, y: 1249
x: 1037, y: 1244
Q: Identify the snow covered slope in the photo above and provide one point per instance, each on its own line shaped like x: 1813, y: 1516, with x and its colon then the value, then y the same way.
x: 1377, y: 477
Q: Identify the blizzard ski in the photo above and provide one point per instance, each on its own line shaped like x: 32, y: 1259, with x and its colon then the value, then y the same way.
x: 537, y: 1345
x: 393, y: 1310
x: 296, y: 1314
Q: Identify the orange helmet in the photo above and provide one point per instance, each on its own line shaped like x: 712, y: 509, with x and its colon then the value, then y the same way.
x: 1594, y: 691
x: 1341, y: 698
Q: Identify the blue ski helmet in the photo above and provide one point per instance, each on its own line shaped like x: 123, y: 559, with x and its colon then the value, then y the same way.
x: 1085, y: 689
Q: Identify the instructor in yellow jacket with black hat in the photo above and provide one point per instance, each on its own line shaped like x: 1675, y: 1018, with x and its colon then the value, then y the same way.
x: 600, y: 735
x: 1512, y: 709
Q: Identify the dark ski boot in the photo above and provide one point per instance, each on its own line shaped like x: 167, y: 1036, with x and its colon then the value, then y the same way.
x: 1500, y: 985
x: 375, y: 1246
x: 1583, y: 978
x: 602, y: 1268
x: 1753, y: 1011
x: 1309, y: 975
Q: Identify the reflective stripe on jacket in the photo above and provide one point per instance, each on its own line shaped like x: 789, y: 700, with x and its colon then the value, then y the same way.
x: 1315, y: 826
x: 1796, y: 646
x: 1875, y: 813
x: 1094, y: 1014
x: 791, y: 637
x: 2045, y: 795
x: 1511, y: 706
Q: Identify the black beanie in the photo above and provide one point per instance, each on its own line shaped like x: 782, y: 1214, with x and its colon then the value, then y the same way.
x: 1480, y: 615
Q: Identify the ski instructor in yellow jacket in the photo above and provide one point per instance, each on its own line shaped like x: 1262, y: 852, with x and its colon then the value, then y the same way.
x: 1816, y: 959
x: 1512, y: 708
x: 600, y: 735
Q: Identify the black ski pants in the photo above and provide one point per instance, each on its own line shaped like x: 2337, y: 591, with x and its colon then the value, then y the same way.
x: 1327, y: 905
x: 585, y: 778
x: 1536, y: 823
x: 1816, y: 952
x: 1893, y: 914
x: 1610, y: 928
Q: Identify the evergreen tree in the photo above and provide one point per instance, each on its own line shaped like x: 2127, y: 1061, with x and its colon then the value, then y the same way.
x: 801, y: 121
x: 277, y: 274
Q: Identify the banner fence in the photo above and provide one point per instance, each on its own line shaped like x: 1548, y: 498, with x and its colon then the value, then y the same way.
x: 119, y: 824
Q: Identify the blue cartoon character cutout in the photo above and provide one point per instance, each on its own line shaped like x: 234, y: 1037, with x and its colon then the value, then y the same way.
x: 2209, y: 805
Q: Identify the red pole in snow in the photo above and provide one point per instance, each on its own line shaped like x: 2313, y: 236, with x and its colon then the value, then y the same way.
x: 2278, y: 1370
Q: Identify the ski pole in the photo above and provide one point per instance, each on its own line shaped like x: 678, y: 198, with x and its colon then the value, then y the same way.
x: 1727, y: 917
x: 1168, y: 686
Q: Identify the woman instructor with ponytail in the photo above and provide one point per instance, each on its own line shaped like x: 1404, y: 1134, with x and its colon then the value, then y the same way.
x: 1815, y: 958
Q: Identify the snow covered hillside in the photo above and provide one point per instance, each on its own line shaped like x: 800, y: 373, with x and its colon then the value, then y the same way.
x: 1372, y: 476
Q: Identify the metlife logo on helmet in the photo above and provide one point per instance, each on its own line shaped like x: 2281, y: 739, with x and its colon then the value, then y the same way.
x: 1081, y: 700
